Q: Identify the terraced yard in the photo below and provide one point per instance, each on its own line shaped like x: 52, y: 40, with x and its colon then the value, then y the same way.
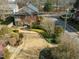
x: 33, y: 43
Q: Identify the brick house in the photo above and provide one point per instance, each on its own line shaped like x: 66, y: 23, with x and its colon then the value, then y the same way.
x: 26, y: 15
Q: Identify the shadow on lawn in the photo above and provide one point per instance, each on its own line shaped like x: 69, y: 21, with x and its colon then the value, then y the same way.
x: 46, y: 54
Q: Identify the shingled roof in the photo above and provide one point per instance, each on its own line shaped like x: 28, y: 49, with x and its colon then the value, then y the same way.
x: 29, y: 9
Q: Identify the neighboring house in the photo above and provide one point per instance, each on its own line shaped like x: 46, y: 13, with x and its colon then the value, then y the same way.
x: 26, y: 14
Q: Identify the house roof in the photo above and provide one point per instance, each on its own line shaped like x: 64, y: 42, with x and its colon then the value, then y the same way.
x: 29, y: 9
x: 32, y: 7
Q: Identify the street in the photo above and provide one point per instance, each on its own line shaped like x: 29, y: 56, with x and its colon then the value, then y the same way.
x: 72, y: 32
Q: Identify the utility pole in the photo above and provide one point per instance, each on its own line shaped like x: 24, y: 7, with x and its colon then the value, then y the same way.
x: 65, y: 27
x: 56, y: 5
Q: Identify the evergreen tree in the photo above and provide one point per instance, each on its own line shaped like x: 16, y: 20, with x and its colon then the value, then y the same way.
x: 76, y: 5
x: 48, y: 6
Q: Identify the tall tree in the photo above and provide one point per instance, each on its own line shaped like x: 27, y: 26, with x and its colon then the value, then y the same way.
x: 4, y: 7
x: 76, y: 5
x: 21, y: 3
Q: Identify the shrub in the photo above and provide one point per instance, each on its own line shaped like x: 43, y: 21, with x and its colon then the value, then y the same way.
x: 48, y: 25
x: 6, y: 54
x: 48, y: 30
x: 40, y: 17
x: 18, y: 42
x: 58, y: 30
x: 8, y: 21
x: 45, y: 54
x: 42, y: 32
x: 47, y: 7
x: 13, y: 35
x: 36, y: 26
x: 67, y: 49
x: 5, y: 30
x: 16, y: 31
x: 21, y: 35
x: 64, y: 51
x: 13, y: 38
x: 45, y: 35
x: 1, y: 20
x: 57, y: 34
x: 55, y: 38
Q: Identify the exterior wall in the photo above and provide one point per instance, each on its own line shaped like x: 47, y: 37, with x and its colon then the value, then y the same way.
x: 17, y: 21
x: 21, y: 20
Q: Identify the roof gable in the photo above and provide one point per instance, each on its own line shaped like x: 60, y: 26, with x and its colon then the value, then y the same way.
x: 32, y: 7
x: 28, y: 9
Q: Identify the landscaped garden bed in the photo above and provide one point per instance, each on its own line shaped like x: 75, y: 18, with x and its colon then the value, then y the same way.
x: 48, y: 30
x: 10, y: 36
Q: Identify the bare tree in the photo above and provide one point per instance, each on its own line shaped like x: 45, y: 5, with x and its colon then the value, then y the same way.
x: 76, y: 5
x: 4, y: 8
